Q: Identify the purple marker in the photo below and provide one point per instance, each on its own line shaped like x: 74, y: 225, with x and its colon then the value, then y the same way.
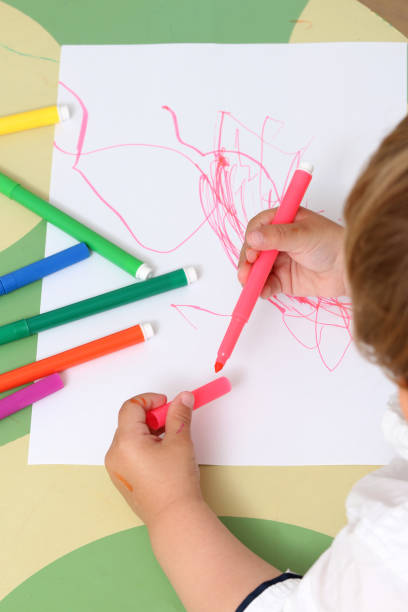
x: 20, y: 399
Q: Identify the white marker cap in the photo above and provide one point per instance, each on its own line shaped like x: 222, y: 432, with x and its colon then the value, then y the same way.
x: 144, y: 272
x: 63, y: 112
x: 147, y: 330
x: 191, y: 274
x: 306, y: 166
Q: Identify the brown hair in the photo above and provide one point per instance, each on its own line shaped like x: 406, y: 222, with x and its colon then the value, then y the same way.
x: 376, y: 254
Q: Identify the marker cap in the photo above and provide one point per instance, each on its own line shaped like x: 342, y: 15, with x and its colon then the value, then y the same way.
x: 7, y: 185
x: 144, y: 272
x: 191, y: 274
x: 147, y: 330
x: 63, y: 112
x: 306, y: 166
x: 8, y: 283
x: 14, y: 331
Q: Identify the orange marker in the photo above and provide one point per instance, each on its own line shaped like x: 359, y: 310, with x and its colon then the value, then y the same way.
x: 75, y: 356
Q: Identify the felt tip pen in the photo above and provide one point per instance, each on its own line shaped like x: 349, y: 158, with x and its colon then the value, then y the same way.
x: 29, y: 395
x: 34, y: 271
x: 75, y: 356
x: 263, y: 265
x: 74, y: 228
x: 156, y: 418
x: 105, y: 301
x: 49, y: 115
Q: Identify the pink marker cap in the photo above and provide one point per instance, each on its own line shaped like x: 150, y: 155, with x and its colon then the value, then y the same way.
x: 156, y: 417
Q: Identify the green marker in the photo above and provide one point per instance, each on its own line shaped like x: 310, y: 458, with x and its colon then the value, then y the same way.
x: 99, y: 303
x: 74, y: 228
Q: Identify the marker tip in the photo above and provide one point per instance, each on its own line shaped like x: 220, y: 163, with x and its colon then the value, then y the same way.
x: 218, y: 366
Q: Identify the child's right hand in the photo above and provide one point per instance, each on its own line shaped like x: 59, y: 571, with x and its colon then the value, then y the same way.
x: 310, y: 261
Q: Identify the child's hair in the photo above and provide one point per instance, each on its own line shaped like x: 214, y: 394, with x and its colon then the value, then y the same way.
x: 376, y: 254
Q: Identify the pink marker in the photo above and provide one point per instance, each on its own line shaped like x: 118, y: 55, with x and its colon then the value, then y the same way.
x: 156, y: 417
x: 29, y: 395
x: 263, y: 265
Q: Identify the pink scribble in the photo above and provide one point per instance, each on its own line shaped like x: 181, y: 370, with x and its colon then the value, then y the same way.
x: 178, y: 308
x: 230, y: 182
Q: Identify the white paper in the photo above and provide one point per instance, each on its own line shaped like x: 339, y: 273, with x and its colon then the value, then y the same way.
x: 290, y: 405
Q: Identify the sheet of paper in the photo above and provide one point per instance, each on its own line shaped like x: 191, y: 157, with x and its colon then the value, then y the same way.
x: 171, y: 149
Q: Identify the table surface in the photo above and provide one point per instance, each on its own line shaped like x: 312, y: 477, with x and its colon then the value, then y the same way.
x: 68, y: 541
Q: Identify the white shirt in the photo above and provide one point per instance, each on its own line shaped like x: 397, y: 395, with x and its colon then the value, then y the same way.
x: 366, y: 567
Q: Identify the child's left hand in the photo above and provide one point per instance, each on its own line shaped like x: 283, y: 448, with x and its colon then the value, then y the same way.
x: 150, y: 472
x: 208, y: 567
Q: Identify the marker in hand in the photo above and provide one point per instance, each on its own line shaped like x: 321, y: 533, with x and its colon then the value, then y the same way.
x: 156, y: 418
x: 263, y: 265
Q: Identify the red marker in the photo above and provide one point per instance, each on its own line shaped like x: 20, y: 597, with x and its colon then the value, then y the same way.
x: 263, y: 265
x: 156, y: 417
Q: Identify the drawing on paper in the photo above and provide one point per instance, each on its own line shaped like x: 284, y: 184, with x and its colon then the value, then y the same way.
x: 232, y: 186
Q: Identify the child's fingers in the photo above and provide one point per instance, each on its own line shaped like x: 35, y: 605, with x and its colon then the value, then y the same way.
x: 272, y: 287
x: 279, y: 280
x: 243, y: 272
x: 283, y: 237
x: 247, y: 258
x: 255, y: 223
x: 132, y: 415
x: 178, y: 419
x: 260, y: 220
x: 242, y: 256
x: 248, y: 254
x: 251, y: 255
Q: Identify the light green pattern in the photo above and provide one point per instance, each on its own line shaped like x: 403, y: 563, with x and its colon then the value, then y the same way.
x: 120, y: 572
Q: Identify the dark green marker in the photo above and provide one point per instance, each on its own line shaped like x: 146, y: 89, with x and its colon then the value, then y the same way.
x: 99, y: 303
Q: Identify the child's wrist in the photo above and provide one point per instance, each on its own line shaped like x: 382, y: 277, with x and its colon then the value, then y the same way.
x: 175, y: 511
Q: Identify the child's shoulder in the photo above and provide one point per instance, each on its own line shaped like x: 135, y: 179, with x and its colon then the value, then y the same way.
x: 377, y: 506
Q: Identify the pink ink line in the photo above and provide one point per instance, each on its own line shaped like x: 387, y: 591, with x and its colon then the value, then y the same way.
x: 216, y: 314
x: 175, y: 306
x: 178, y: 308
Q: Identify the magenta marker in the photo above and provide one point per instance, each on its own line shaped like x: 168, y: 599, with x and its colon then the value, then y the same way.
x: 263, y: 265
x: 29, y: 395
x: 156, y: 417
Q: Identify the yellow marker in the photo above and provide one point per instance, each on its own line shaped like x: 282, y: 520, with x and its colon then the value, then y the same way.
x: 33, y: 119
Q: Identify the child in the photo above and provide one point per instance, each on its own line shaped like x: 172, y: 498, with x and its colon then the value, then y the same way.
x: 365, y: 568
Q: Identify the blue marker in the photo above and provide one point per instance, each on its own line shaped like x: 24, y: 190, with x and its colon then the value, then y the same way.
x: 33, y: 272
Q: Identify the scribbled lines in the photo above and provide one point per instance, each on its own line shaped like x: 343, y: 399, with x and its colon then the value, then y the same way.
x: 234, y: 185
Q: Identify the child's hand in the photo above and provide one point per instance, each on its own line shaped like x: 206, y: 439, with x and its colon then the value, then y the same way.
x: 153, y: 473
x: 311, y: 259
x: 208, y: 567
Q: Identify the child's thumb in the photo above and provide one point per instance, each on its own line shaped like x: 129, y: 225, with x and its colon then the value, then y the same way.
x: 178, y: 419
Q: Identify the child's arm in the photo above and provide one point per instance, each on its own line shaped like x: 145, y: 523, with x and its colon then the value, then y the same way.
x: 208, y: 567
